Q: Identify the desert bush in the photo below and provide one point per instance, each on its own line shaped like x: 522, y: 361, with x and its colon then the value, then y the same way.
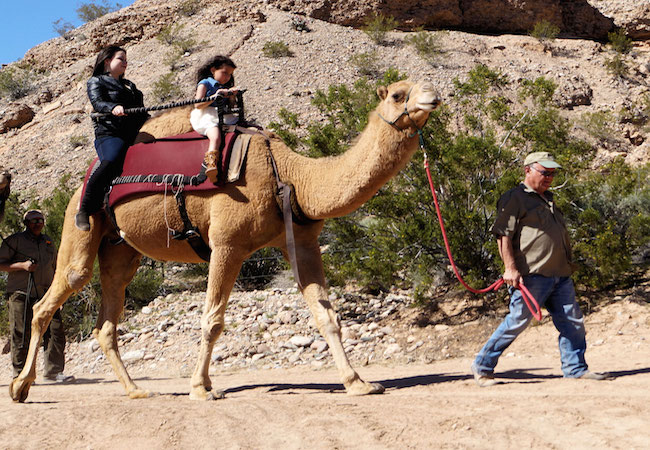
x: 377, y: 26
x: 146, y: 285
x: 166, y: 88
x: 367, y: 63
x: 276, y: 49
x: 610, y: 217
x: 394, y: 239
x: 62, y: 28
x: 285, y: 127
x: 545, y: 31
x: 599, y: 125
x: 619, y: 41
x: 77, y: 140
x: 299, y: 23
x: 16, y: 82
x: 258, y: 270
x: 189, y: 7
x: 426, y: 44
x: 617, y: 66
x: 90, y: 11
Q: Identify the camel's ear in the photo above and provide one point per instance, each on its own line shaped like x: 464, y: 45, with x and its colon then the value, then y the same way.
x: 382, y: 92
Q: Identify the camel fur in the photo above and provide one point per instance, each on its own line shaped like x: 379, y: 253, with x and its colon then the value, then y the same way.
x: 238, y: 220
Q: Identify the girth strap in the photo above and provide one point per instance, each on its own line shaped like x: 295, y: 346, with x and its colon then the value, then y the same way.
x: 190, y: 232
x: 284, y: 191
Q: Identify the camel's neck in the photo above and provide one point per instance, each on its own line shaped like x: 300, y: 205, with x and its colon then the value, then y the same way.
x: 333, y: 187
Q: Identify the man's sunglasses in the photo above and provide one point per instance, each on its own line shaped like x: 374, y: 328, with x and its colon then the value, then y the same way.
x: 35, y: 221
x: 545, y: 173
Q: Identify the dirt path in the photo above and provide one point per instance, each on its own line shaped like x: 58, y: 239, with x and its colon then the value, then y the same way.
x: 435, y: 405
x: 428, y: 406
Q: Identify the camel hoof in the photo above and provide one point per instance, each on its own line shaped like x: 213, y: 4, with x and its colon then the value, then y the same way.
x: 19, y: 394
x: 205, y: 395
x: 363, y: 388
x: 139, y: 393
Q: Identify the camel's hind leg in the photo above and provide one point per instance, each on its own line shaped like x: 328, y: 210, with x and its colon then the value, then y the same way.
x: 314, y: 291
x: 224, y: 268
x: 73, y: 270
x: 117, y: 265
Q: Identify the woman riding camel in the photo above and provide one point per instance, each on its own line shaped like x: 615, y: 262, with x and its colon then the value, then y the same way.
x: 110, y: 93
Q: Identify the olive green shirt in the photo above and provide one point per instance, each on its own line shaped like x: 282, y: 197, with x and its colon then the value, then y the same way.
x: 540, y: 239
x: 20, y: 247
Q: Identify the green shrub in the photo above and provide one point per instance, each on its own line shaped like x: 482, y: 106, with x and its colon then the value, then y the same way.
x: 544, y: 31
x: 609, y: 216
x: 394, y: 239
x: 62, y: 28
x: 175, y: 35
x: 189, y: 7
x: 276, y: 49
x: 166, y: 88
x: 16, y: 82
x: 367, y: 63
x: 285, y: 127
x: 88, y: 12
x: 300, y: 24
x: 146, y: 285
x: 377, y: 26
x: 77, y: 140
x: 258, y: 270
x: 616, y: 66
x: 619, y: 42
x: 598, y: 125
x: 427, y: 45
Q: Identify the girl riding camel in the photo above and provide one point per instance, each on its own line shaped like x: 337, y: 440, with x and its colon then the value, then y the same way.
x: 214, y: 79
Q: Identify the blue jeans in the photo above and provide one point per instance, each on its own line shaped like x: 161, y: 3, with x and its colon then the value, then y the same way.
x: 558, y: 296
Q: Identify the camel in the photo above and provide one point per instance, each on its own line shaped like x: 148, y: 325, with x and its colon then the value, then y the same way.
x: 238, y: 219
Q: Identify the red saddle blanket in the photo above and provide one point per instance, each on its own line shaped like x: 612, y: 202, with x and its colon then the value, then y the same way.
x: 173, y: 157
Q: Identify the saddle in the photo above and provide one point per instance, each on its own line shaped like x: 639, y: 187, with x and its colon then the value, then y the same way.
x: 174, y: 164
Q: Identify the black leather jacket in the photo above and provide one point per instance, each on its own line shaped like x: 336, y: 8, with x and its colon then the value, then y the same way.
x: 105, y: 93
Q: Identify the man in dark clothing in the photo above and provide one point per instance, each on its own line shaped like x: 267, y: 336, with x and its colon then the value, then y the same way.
x: 30, y: 259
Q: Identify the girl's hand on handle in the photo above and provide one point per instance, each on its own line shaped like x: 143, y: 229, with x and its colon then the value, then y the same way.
x: 118, y: 111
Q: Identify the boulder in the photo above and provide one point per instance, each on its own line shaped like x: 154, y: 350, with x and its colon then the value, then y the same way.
x: 15, y: 116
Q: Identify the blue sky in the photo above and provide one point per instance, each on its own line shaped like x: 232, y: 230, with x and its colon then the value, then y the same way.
x: 26, y: 23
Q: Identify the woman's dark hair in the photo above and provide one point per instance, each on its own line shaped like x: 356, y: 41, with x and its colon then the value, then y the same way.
x: 217, y: 62
x: 104, y: 54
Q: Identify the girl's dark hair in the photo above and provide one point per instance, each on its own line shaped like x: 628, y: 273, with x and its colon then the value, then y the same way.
x: 104, y: 54
x: 216, y: 62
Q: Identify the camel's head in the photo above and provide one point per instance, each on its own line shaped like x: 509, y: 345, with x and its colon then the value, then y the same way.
x: 406, y: 104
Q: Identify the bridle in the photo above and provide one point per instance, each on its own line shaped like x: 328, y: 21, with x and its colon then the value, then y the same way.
x: 406, y: 113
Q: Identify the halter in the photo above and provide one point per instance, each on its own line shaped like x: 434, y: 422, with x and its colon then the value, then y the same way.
x: 406, y: 113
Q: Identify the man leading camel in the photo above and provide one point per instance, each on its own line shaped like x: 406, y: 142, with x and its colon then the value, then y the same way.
x: 535, y: 249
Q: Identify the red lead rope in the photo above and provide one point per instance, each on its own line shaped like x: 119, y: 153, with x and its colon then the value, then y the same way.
x: 532, y: 304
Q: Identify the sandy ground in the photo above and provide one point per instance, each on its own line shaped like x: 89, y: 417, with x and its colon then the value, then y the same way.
x: 436, y: 405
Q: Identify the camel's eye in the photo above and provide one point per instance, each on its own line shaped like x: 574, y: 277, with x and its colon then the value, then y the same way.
x: 397, y: 96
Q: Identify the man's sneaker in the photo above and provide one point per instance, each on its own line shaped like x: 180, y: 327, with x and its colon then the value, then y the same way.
x: 60, y: 378
x: 483, y: 380
x: 598, y: 376
x: 82, y: 221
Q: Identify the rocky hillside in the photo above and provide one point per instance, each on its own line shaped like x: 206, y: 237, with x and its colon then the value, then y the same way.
x: 49, y: 133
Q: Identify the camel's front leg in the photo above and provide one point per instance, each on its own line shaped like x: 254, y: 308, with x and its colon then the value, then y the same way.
x: 73, y: 270
x: 315, y: 294
x: 224, y: 267
x: 117, y: 265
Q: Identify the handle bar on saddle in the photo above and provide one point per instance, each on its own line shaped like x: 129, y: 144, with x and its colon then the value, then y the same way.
x: 142, y: 110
